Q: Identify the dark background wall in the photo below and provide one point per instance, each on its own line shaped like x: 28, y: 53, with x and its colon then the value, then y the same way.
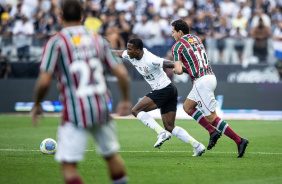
x: 233, y: 73
x: 261, y: 96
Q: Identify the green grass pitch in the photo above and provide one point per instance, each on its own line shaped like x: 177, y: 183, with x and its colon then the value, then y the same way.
x: 22, y: 162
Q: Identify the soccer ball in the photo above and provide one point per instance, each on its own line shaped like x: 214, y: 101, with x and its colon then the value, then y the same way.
x: 48, y: 146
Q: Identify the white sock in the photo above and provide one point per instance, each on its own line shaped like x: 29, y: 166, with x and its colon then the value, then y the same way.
x: 196, y: 144
x: 183, y: 135
x: 149, y: 121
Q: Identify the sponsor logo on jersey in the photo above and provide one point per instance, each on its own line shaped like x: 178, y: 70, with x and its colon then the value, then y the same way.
x: 149, y: 77
x: 81, y: 39
x: 146, y: 70
x: 156, y: 64
x: 76, y: 39
x: 190, y: 40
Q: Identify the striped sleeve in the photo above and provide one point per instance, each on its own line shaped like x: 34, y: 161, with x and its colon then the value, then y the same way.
x: 176, y: 51
x: 50, y: 55
x: 110, y: 59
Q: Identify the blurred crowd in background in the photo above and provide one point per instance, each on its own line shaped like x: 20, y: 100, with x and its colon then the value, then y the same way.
x: 235, y: 31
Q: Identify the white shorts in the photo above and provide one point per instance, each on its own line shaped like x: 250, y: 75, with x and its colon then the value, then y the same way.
x: 203, y: 93
x: 72, y: 141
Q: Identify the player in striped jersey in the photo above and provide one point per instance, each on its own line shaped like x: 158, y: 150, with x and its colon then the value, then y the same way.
x: 78, y: 56
x: 190, y: 52
x: 163, y: 95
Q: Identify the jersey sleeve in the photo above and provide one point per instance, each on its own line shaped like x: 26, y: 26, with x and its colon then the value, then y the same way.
x: 125, y: 55
x: 50, y: 55
x: 110, y: 58
x: 176, y: 51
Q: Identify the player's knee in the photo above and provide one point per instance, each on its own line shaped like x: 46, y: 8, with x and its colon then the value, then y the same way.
x: 134, y: 112
x: 210, y: 118
x: 187, y: 109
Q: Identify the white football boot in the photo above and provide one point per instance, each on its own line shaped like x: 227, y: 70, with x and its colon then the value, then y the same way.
x: 199, y: 150
x: 162, y: 137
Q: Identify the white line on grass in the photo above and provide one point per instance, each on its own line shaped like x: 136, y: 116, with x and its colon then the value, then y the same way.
x: 262, y: 153
x: 123, y: 151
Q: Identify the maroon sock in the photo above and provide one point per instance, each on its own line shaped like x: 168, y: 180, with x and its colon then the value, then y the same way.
x: 119, y: 179
x: 222, y: 126
x: 200, y: 118
x: 76, y: 180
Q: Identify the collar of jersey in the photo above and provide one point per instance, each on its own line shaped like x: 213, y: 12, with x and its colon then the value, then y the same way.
x: 185, y: 35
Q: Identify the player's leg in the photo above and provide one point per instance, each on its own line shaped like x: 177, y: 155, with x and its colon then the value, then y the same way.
x: 72, y: 143
x: 140, y: 112
x: 116, y: 169
x: 189, y: 107
x: 202, y: 94
x: 107, y: 145
x: 206, y: 100
x: 166, y: 100
x: 145, y: 104
x: 168, y: 121
x: 70, y: 173
x: 169, y: 106
x: 168, y: 112
x: 165, y: 134
x: 223, y: 127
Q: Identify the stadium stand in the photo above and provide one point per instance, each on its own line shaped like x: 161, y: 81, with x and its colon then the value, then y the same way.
x: 120, y: 20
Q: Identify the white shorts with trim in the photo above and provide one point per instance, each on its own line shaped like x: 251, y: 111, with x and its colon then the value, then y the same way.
x: 72, y: 141
x: 203, y: 93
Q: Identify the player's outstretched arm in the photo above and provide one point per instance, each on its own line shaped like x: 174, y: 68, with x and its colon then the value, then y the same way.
x: 124, y: 105
x: 40, y: 91
x: 118, y: 53
x: 170, y: 64
x: 178, y: 67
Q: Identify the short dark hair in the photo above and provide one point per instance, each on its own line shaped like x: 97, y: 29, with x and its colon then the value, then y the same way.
x: 72, y: 10
x: 181, y: 25
x: 137, y: 43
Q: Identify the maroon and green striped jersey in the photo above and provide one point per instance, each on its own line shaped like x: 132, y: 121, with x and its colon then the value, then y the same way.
x: 190, y: 50
x: 78, y: 56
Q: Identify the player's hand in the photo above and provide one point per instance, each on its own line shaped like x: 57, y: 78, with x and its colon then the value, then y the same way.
x: 177, y: 73
x: 124, y: 108
x: 36, y: 111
